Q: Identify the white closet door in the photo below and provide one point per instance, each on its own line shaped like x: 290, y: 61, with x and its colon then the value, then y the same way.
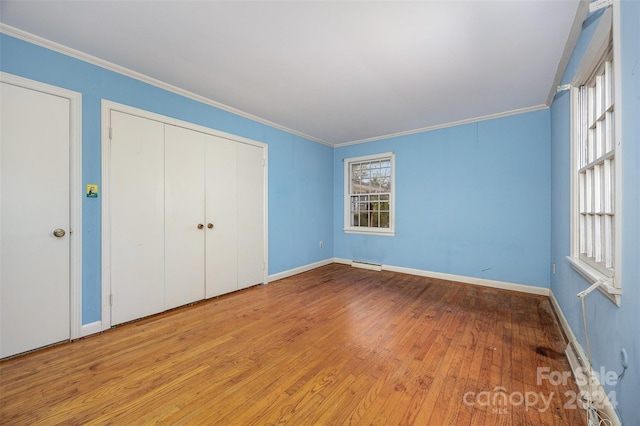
x: 137, y: 217
x: 221, y: 201
x: 184, y: 216
x: 34, y: 200
x: 251, y: 268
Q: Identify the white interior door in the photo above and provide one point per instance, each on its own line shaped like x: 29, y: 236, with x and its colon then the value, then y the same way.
x: 251, y: 267
x: 184, y: 216
x: 137, y: 217
x: 34, y: 199
x: 222, y: 220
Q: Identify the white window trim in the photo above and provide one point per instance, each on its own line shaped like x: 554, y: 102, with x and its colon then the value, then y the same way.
x: 601, y: 39
x: 348, y: 229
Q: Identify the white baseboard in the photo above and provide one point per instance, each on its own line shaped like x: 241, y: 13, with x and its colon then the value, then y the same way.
x: 299, y: 270
x: 459, y: 278
x: 470, y: 280
x: 91, y: 328
x: 568, y: 332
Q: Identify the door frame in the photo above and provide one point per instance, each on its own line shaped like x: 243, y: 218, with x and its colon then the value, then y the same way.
x: 107, y: 107
x: 75, y: 192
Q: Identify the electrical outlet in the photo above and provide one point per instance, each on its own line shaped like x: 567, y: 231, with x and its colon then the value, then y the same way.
x: 321, y: 243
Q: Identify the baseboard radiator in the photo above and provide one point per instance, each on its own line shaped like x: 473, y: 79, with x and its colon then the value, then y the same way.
x: 584, y: 375
x: 366, y: 265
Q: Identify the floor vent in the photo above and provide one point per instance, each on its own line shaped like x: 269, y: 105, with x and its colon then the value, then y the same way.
x: 366, y: 265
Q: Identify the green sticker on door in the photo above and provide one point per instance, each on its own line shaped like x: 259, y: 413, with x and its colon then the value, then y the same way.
x: 92, y: 190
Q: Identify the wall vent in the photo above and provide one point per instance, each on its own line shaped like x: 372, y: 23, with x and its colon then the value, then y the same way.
x: 366, y: 265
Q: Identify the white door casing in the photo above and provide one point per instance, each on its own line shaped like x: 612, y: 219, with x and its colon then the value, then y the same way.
x: 40, y: 167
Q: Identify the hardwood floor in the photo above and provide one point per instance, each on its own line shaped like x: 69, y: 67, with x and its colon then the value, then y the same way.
x: 335, y: 345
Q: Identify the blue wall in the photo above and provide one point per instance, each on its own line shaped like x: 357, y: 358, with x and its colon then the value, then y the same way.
x: 471, y: 200
x: 300, y: 200
x: 610, y: 328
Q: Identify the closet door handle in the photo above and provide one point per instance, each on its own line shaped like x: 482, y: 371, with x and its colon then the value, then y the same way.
x: 210, y: 225
x: 200, y: 226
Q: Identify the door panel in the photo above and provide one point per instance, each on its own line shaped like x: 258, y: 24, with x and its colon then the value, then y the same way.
x: 221, y: 201
x: 34, y: 198
x: 184, y: 210
x: 137, y: 217
x: 250, y: 215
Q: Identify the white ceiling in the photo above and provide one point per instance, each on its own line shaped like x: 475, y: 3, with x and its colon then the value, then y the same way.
x: 335, y: 71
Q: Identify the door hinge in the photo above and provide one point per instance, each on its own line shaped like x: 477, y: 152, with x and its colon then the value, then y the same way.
x: 111, y: 300
x: 264, y: 266
x: 110, y: 133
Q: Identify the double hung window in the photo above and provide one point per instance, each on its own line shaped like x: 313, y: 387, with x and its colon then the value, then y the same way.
x: 369, y: 194
x: 596, y: 153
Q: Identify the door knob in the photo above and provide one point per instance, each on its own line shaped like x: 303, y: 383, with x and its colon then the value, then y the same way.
x: 59, y: 233
x: 200, y: 226
x: 210, y: 225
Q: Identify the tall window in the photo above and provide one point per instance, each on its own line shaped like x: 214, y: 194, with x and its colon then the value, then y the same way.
x: 369, y: 194
x: 595, y: 251
x: 596, y: 151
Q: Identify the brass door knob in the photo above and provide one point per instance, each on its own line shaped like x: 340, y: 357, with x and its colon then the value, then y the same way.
x: 210, y: 225
x: 59, y: 233
x: 200, y: 226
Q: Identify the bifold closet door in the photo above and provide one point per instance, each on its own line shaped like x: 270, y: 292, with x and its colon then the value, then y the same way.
x: 251, y: 269
x: 184, y: 216
x: 137, y: 217
x: 222, y: 216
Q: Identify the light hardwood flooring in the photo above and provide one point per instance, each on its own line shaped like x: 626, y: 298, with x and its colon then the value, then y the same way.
x: 335, y: 345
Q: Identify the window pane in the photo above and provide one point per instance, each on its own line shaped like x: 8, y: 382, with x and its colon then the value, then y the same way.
x: 384, y: 219
x: 375, y: 220
x: 609, y: 146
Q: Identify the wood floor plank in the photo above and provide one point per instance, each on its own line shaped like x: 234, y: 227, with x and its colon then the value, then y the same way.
x: 336, y: 345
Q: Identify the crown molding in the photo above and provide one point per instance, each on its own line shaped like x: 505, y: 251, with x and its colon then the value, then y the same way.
x: 85, y: 57
x: 445, y: 125
x: 574, y: 33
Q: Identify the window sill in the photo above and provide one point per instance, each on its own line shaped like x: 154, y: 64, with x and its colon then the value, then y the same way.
x: 612, y: 293
x: 370, y: 231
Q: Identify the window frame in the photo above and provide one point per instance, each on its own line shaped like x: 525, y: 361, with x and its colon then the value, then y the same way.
x: 603, y: 46
x: 348, y: 228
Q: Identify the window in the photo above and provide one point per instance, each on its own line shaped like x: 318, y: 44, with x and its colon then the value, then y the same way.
x: 596, y: 169
x: 369, y: 194
x: 595, y: 157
